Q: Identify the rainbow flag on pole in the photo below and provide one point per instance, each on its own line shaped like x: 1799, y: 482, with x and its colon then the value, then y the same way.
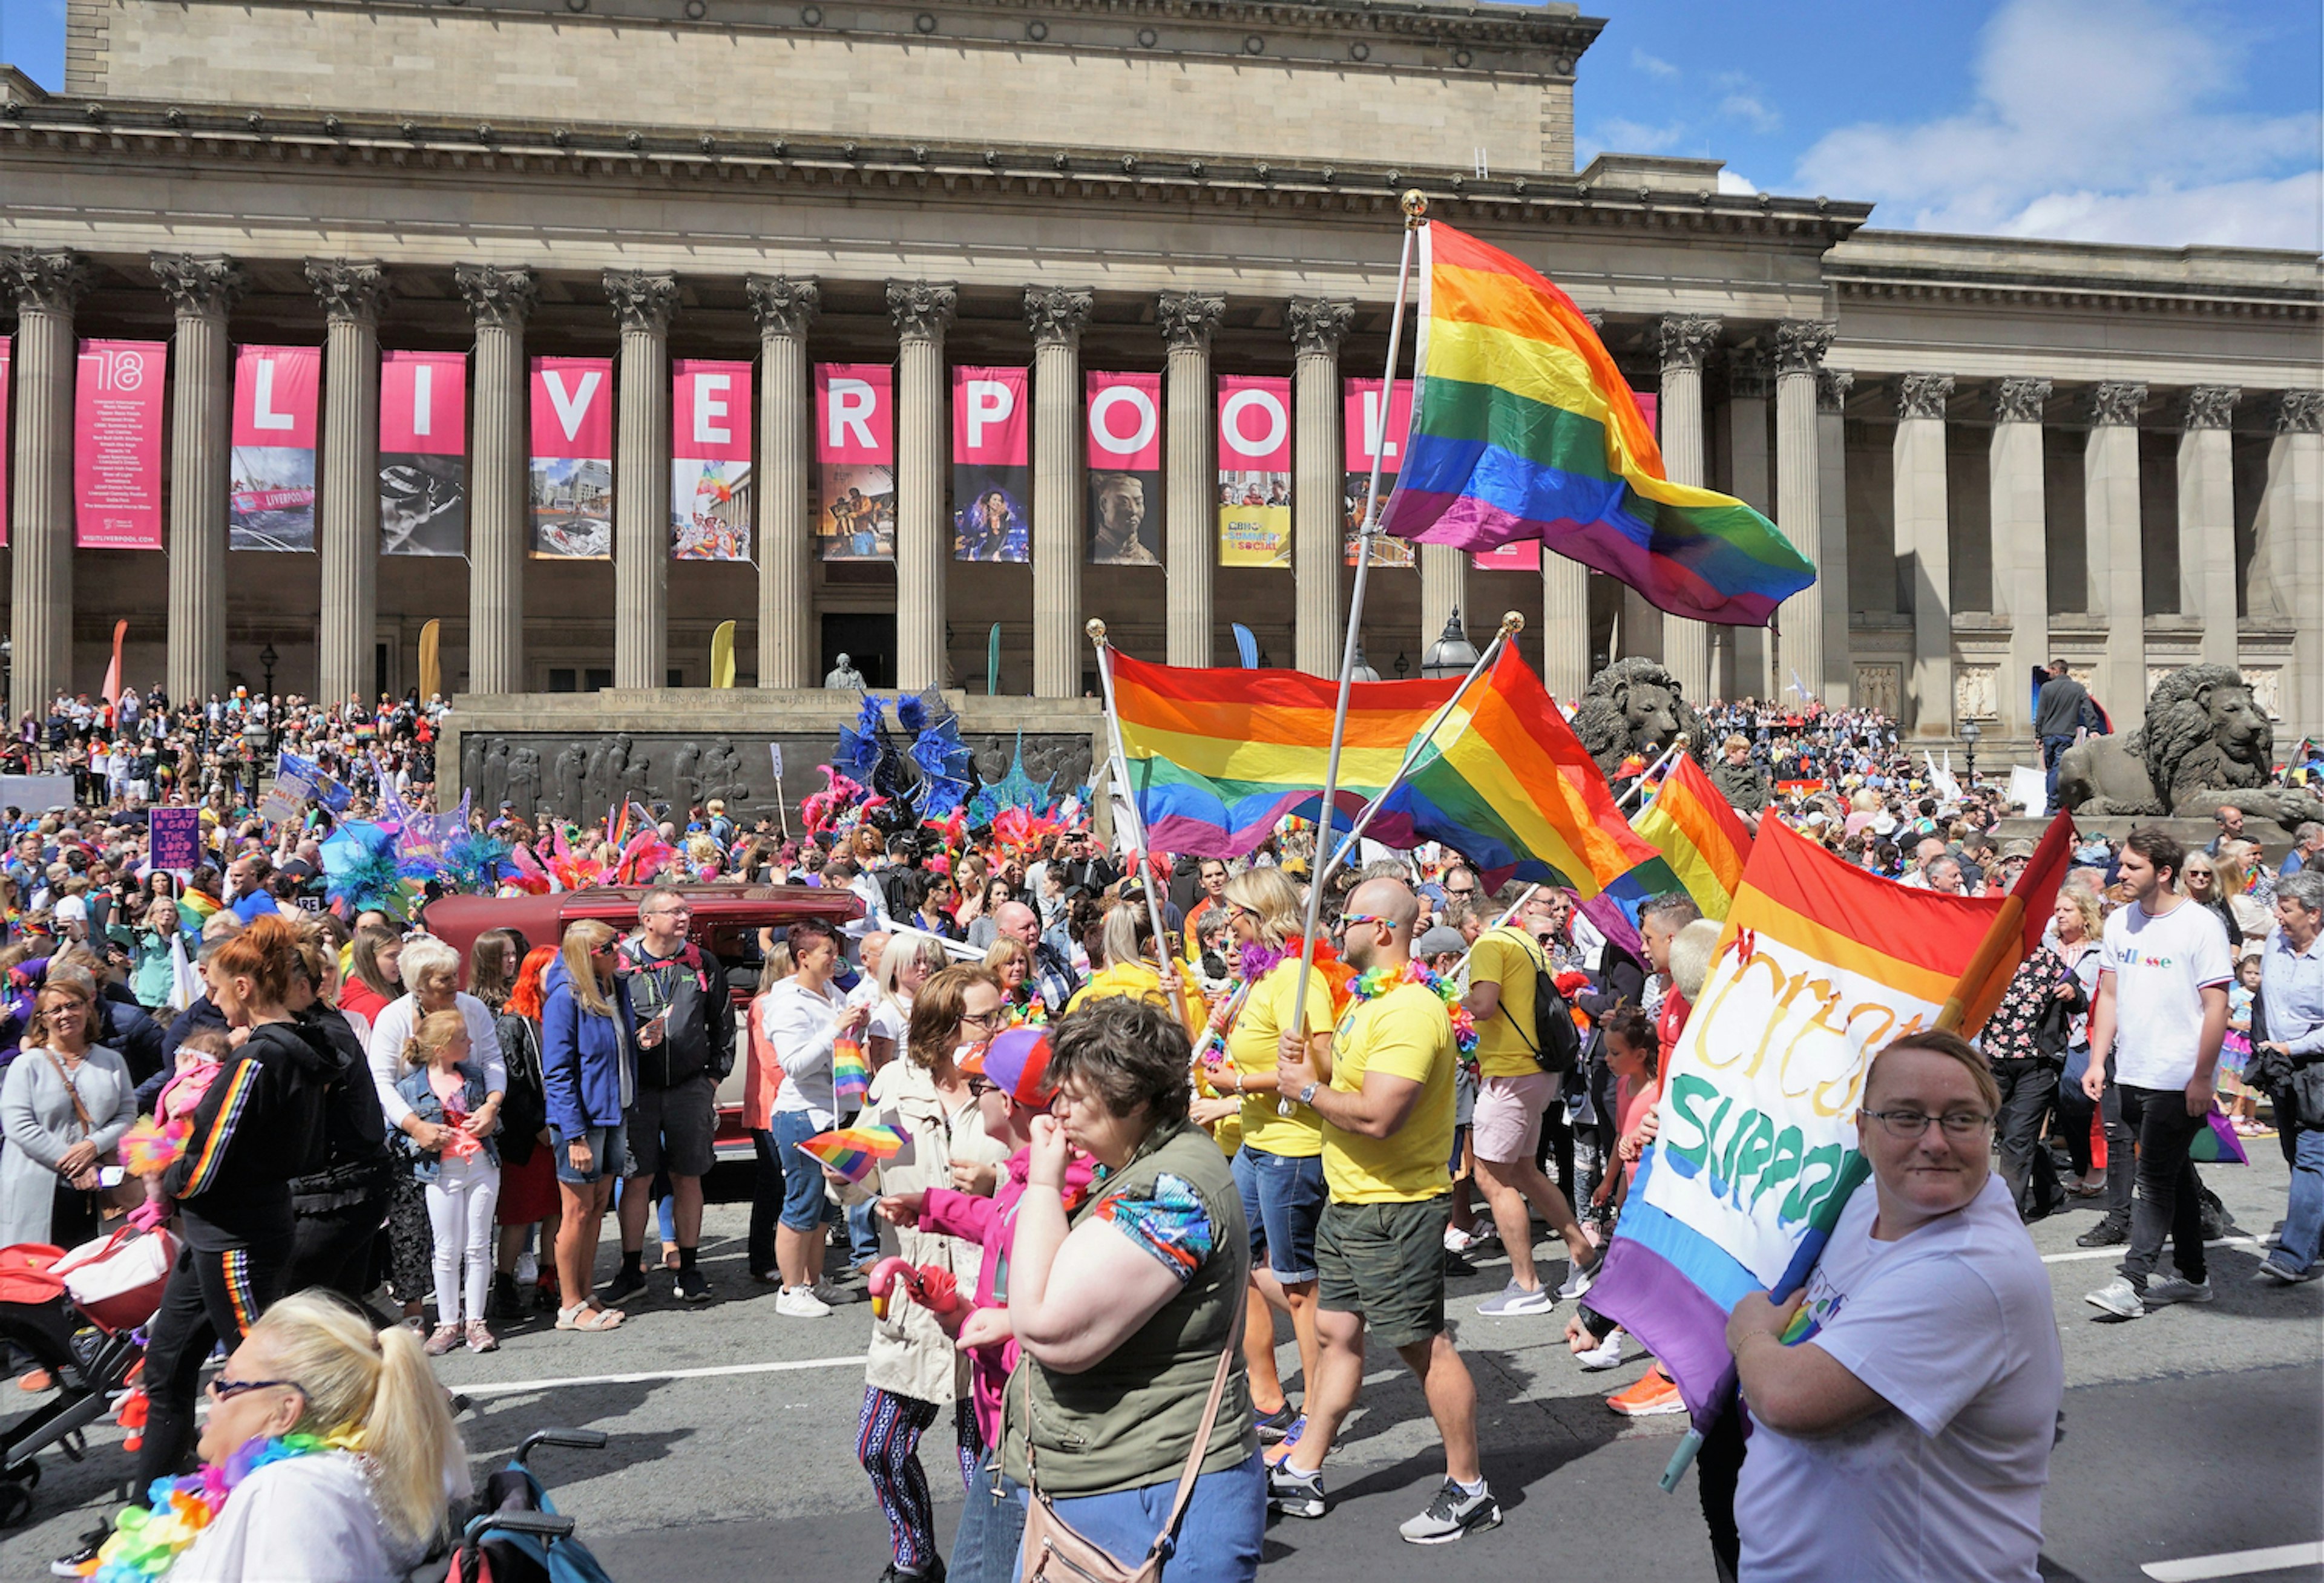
x: 851, y: 1074
x: 1217, y: 757
x: 1699, y: 834
x: 851, y: 1151
x: 1522, y: 429
x: 1820, y: 966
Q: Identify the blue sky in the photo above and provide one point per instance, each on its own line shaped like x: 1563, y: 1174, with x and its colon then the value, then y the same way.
x: 2151, y: 121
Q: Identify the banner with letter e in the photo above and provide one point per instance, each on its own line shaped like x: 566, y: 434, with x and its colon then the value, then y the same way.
x: 1821, y: 965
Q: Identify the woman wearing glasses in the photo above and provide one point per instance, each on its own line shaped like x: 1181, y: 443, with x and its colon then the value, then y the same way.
x: 915, y: 1373
x: 1911, y: 1388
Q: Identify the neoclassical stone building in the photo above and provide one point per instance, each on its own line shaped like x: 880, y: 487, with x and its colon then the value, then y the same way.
x: 1994, y: 450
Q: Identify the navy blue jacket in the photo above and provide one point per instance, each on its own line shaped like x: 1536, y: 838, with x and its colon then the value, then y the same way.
x: 582, y: 1055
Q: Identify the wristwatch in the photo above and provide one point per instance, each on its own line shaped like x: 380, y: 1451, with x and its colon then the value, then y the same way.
x: 1308, y: 1094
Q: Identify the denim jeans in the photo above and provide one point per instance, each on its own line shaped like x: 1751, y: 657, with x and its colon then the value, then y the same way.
x: 1218, y: 1538
x: 992, y: 1528
x: 2303, y: 1217
x: 1282, y: 1200
x: 2169, y: 1195
x: 2074, y: 1113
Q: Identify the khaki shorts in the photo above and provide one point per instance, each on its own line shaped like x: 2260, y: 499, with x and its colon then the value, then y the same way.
x: 1385, y: 1263
x: 1507, y: 1122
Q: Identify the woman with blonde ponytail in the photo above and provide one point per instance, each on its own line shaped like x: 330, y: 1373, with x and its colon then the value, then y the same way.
x: 329, y: 1456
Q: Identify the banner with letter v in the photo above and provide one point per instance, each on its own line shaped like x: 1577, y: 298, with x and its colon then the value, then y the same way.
x: 1820, y: 966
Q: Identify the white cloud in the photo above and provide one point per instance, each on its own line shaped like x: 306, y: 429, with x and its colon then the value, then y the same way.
x: 1747, y: 108
x: 1652, y: 65
x: 1621, y: 136
x: 2094, y: 120
x: 1736, y: 183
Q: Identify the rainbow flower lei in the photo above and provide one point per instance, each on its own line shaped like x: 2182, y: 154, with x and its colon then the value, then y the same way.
x: 147, y: 1541
x: 1375, y: 981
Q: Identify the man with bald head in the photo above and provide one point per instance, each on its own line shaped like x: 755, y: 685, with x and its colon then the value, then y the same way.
x: 1387, y: 1116
x: 1053, y: 976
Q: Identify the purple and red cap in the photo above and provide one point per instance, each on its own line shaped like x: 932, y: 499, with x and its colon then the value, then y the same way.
x: 1017, y: 1063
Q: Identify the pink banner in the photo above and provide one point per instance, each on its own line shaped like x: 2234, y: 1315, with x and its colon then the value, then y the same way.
x: 1254, y: 471
x: 7, y: 447
x: 276, y: 392
x: 1124, y: 445
x: 1369, y: 427
x: 573, y: 457
x: 117, y: 444
x: 992, y: 465
x: 855, y: 460
x: 710, y: 460
x: 1254, y: 424
x: 423, y: 464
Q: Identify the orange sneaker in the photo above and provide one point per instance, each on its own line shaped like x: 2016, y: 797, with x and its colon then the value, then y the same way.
x: 1654, y: 1397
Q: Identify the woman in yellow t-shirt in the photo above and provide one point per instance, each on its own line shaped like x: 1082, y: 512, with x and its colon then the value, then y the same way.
x: 1280, y: 1168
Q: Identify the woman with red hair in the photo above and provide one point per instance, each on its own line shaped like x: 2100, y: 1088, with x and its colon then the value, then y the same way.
x: 527, y: 1165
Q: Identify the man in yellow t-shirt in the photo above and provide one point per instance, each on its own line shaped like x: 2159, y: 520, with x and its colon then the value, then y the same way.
x: 1387, y: 1120
x: 1512, y: 1094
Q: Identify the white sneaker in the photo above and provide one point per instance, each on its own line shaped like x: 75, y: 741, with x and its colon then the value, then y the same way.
x: 1514, y: 1300
x: 801, y: 1303
x: 1606, y: 1355
x: 2119, y: 1297
x: 1457, y: 1240
x: 2177, y: 1289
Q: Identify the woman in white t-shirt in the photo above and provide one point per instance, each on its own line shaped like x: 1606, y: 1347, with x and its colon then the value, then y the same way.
x: 1903, y: 1402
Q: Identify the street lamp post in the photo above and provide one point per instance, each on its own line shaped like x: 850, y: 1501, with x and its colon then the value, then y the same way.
x: 1969, y: 735
x: 1363, y: 671
x: 1452, y: 656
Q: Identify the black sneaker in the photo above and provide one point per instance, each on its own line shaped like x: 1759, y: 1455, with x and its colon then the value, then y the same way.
x: 2110, y: 1232
x: 1273, y: 1426
x: 1454, y: 1515
x: 507, y: 1302
x: 1292, y: 1493
x: 628, y: 1284
x: 690, y: 1286
x: 76, y: 1563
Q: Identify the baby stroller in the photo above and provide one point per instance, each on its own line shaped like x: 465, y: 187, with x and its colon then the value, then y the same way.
x: 78, y: 1313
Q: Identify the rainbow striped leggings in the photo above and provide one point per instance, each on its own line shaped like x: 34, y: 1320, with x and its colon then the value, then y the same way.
x: 214, y: 1294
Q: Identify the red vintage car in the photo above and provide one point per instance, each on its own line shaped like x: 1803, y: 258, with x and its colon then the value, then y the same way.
x: 727, y: 919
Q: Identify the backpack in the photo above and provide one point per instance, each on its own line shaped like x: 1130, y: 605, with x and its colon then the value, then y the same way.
x: 1555, y: 1043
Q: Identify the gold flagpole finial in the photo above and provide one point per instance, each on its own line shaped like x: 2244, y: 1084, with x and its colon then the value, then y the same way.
x: 1415, y: 208
x: 1512, y: 623
x: 1095, y: 629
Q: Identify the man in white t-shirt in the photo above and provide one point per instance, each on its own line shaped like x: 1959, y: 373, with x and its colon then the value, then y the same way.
x: 1903, y: 1403
x: 2161, y: 1010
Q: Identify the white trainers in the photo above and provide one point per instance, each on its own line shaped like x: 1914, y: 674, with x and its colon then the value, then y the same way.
x: 2119, y: 1298
x: 1514, y: 1300
x: 1606, y: 1355
x: 801, y: 1303
x: 1457, y: 1240
x: 2177, y: 1289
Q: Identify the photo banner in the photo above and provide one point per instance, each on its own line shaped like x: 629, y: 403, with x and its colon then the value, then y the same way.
x: 277, y: 390
x: 1371, y: 426
x: 573, y: 457
x: 7, y: 445
x: 117, y: 444
x: 710, y: 492
x: 1254, y: 471
x: 1124, y: 447
x: 855, y: 460
x: 992, y: 465
x: 423, y: 464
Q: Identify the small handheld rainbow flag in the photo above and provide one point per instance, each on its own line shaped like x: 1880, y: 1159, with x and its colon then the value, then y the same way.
x: 851, y: 1074
x: 194, y: 909
x: 852, y: 1150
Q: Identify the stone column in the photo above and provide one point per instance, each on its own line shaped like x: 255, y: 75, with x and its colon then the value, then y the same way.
x: 644, y: 302
x: 2206, y: 518
x: 2021, y: 549
x: 46, y: 284
x: 1445, y: 587
x: 1832, y: 385
x: 787, y: 645
x: 1565, y: 627
x: 347, y: 519
x: 203, y: 290
x: 2288, y: 551
x: 1799, y: 346
x: 1686, y: 340
x: 1924, y: 552
x: 922, y: 312
x: 1190, y: 523
x: 500, y: 487
x: 1750, y: 663
x: 1055, y: 314
x: 2114, y: 554
x: 1317, y: 482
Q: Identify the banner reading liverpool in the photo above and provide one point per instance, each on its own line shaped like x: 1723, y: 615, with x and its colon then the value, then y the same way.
x: 1125, y: 469
x: 855, y: 460
x: 117, y: 444
x: 991, y: 466
x: 1374, y: 426
x: 271, y: 505
x: 1820, y: 966
x: 710, y: 489
x: 1254, y: 471
x: 423, y: 465
x: 573, y: 457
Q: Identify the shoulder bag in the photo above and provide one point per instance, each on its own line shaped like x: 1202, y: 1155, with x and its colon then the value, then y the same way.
x: 110, y: 1201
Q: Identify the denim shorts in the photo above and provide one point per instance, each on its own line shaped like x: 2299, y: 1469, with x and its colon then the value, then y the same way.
x: 802, y: 1174
x: 609, y: 1147
x: 1282, y: 1200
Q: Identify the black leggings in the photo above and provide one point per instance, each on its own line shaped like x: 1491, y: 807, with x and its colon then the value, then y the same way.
x: 213, y: 1295
x: 333, y: 1248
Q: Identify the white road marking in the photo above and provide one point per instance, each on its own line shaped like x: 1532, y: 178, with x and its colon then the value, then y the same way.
x: 2078, y: 1255
x: 512, y: 1388
x: 2239, y: 1563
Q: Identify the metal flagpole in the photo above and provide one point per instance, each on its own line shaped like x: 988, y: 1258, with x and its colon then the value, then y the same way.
x: 1415, y: 208
x: 1639, y: 785
x: 1121, y: 763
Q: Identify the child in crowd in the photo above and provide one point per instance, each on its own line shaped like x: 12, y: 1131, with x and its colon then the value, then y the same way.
x: 460, y: 1167
x: 151, y: 1147
x: 2235, y: 1050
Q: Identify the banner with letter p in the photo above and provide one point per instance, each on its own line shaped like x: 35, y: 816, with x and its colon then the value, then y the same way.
x: 992, y: 465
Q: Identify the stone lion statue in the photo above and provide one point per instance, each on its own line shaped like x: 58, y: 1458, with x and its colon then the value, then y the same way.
x: 1634, y: 707
x: 2205, y: 745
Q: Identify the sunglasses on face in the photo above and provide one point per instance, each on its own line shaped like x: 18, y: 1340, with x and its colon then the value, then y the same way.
x: 226, y: 1390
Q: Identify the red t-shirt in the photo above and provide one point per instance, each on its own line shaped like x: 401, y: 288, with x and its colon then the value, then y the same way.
x: 1670, y: 1025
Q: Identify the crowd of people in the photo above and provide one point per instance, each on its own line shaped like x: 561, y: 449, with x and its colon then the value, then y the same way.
x: 1142, y: 1149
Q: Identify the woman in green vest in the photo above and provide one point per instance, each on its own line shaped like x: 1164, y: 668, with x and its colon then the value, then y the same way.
x: 1124, y: 1312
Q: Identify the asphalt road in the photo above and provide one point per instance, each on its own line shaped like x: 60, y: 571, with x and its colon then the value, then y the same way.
x: 2194, y: 1433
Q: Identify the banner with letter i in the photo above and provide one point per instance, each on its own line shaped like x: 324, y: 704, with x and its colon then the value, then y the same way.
x: 1125, y: 469
x: 573, y: 457
x: 991, y: 466
x: 856, y: 461
x: 423, y: 465
x: 117, y: 444
x: 710, y: 492
x: 1254, y: 471
x: 1374, y: 426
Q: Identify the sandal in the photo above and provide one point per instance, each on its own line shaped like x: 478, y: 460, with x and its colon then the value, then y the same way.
x: 588, y: 1316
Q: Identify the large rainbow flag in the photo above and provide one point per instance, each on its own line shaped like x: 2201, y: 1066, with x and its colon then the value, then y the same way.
x: 1701, y: 845
x: 1522, y: 429
x: 1820, y: 966
x: 1217, y: 757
